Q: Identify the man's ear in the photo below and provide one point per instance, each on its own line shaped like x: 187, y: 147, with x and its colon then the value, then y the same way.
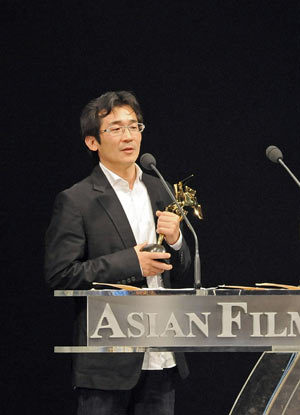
x: 91, y: 142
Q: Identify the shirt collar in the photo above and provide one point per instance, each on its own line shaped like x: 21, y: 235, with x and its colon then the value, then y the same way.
x: 116, y: 180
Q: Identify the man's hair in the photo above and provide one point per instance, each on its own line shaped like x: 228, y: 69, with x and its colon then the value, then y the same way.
x: 98, y: 108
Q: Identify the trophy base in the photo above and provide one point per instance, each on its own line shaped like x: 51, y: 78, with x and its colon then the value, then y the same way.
x: 156, y: 248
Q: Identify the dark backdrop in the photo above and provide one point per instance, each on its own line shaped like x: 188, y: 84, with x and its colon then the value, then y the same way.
x: 218, y: 82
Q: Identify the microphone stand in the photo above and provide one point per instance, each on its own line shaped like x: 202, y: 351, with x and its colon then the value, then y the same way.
x: 197, y: 267
x: 289, y: 171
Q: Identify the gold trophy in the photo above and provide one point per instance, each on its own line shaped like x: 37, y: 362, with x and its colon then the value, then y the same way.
x: 186, y: 198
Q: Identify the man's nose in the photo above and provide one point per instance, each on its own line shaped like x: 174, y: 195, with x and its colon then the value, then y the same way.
x: 126, y: 133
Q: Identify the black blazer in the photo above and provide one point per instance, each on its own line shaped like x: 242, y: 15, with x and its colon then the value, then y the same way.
x: 90, y: 239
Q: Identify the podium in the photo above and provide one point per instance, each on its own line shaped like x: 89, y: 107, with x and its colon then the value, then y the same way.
x: 205, y: 320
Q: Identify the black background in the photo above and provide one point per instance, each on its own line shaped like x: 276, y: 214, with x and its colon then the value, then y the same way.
x: 218, y: 82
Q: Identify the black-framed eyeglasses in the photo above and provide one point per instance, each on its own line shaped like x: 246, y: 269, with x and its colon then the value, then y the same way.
x: 120, y: 129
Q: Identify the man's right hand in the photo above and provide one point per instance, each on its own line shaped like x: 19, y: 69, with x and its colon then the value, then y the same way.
x: 149, y: 263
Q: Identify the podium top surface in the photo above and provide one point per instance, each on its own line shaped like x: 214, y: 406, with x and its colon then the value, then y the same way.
x: 186, y: 291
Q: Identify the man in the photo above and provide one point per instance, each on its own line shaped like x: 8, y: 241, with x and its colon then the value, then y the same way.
x: 97, y: 234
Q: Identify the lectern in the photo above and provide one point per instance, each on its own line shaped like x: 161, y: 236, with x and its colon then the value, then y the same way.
x: 219, y: 320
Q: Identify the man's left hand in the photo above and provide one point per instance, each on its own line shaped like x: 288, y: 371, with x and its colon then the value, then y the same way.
x: 168, y: 225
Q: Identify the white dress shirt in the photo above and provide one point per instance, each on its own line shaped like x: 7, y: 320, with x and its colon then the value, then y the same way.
x: 137, y: 206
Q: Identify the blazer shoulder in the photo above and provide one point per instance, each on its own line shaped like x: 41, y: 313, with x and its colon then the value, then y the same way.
x: 78, y: 189
x: 79, y: 194
x: 95, y: 180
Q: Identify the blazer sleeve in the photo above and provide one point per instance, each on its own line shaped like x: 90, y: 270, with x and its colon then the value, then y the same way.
x: 67, y: 262
x: 181, y: 261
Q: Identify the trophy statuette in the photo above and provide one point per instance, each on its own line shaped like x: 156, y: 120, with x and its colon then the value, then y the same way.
x: 186, y: 198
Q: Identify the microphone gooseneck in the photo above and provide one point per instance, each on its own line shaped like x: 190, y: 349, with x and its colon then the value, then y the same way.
x: 149, y: 163
x: 275, y: 154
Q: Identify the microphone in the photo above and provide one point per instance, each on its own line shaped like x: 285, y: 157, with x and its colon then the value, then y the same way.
x: 274, y: 154
x: 148, y: 161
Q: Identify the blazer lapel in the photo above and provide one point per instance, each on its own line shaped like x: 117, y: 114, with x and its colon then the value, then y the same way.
x: 155, y: 197
x: 111, y: 204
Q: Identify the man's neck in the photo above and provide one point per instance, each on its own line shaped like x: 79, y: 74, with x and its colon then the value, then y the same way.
x: 127, y: 173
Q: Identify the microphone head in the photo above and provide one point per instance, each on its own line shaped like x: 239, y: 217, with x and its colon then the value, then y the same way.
x: 147, y: 160
x: 274, y: 154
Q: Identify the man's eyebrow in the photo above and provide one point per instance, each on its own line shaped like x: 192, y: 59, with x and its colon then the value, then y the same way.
x: 122, y: 121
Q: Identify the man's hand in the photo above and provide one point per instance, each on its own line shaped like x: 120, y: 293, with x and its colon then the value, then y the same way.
x: 149, y: 261
x: 168, y: 225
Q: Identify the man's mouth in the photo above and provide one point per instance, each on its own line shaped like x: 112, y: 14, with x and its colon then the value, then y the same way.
x: 127, y: 149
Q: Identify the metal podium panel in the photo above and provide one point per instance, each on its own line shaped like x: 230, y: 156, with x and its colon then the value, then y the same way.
x: 286, y: 397
x: 206, y: 320
x: 273, y: 387
x: 189, y: 320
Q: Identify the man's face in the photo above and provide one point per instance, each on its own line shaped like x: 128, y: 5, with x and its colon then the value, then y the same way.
x: 123, y: 150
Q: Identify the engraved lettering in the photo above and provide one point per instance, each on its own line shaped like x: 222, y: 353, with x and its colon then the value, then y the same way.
x: 136, y: 324
x: 152, y: 324
x: 109, y: 318
x: 195, y: 320
x: 271, y: 326
x: 295, y: 319
x: 228, y: 320
x: 256, y: 325
x: 172, y: 325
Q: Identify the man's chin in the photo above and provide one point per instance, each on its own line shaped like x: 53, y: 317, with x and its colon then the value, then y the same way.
x: 130, y: 158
